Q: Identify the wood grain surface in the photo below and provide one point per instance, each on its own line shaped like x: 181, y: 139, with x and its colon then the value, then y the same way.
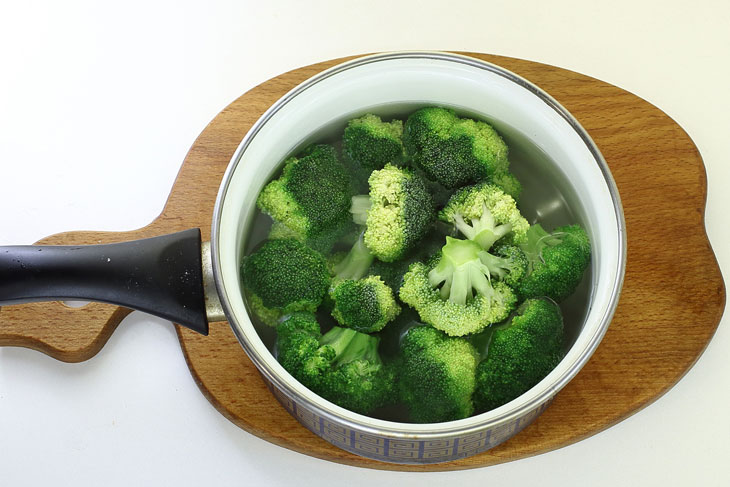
x: 664, y: 320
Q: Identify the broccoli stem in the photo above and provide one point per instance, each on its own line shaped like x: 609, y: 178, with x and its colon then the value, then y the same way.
x: 482, y: 230
x: 338, y: 338
x: 359, y: 208
x: 356, y: 263
x: 461, y: 270
x: 537, y: 240
x: 362, y: 347
x: 498, y: 266
x: 350, y: 345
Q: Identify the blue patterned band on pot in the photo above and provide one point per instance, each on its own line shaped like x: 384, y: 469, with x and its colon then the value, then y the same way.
x: 405, y: 451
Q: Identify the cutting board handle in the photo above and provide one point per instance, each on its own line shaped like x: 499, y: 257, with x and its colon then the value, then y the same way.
x: 161, y: 275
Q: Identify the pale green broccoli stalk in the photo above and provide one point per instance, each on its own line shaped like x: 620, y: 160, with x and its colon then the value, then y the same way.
x: 311, y: 198
x: 397, y: 212
x: 452, y: 150
x: 359, y: 207
x: 355, y: 264
x: 507, y: 263
x: 283, y: 276
x: 556, y: 261
x: 455, y: 292
x: 485, y: 214
x: 519, y: 354
x: 343, y: 366
x: 437, y: 375
x: 371, y: 143
x: 365, y: 305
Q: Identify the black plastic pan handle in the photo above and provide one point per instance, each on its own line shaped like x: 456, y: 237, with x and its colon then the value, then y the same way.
x: 162, y: 276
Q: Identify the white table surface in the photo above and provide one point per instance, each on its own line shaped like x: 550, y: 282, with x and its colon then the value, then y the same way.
x: 99, y: 102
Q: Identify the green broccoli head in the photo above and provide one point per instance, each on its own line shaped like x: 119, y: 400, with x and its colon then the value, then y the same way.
x: 269, y: 316
x: 358, y: 379
x: 451, y: 150
x: 455, y: 293
x: 520, y: 354
x: 397, y: 212
x: 371, y: 143
x: 343, y: 366
x: 298, y: 349
x: 485, y: 214
x: 556, y: 261
x: 311, y: 198
x: 437, y: 375
x: 508, y: 183
x: 365, y: 305
x: 321, y: 241
x: 283, y: 276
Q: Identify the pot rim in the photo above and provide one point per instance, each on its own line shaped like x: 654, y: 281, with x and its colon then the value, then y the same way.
x: 434, y: 430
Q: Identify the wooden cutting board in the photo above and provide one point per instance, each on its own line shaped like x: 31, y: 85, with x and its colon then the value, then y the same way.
x: 664, y: 320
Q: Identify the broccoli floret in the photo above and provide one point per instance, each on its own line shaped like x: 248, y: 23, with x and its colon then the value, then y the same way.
x: 298, y: 349
x: 556, y: 261
x: 365, y: 305
x: 343, y: 366
x: 280, y: 231
x: 397, y: 212
x: 269, y: 316
x: 451, y: 150
x: 358, y: 380
x: 520, y: 354
x: 371, y: 143
x: 508, y: 183
x: 283, y: 276
x: 391, y: 273
x: 335, y: 259
x: 437, y: 375
x: 485, y: 214
x: 455, y: 292
x: 310, y: 200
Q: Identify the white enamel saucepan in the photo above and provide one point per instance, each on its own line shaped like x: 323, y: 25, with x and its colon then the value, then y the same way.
x: 565, y: 180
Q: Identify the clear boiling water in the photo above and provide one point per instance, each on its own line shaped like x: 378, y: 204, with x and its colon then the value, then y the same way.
x: 547, y: 197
